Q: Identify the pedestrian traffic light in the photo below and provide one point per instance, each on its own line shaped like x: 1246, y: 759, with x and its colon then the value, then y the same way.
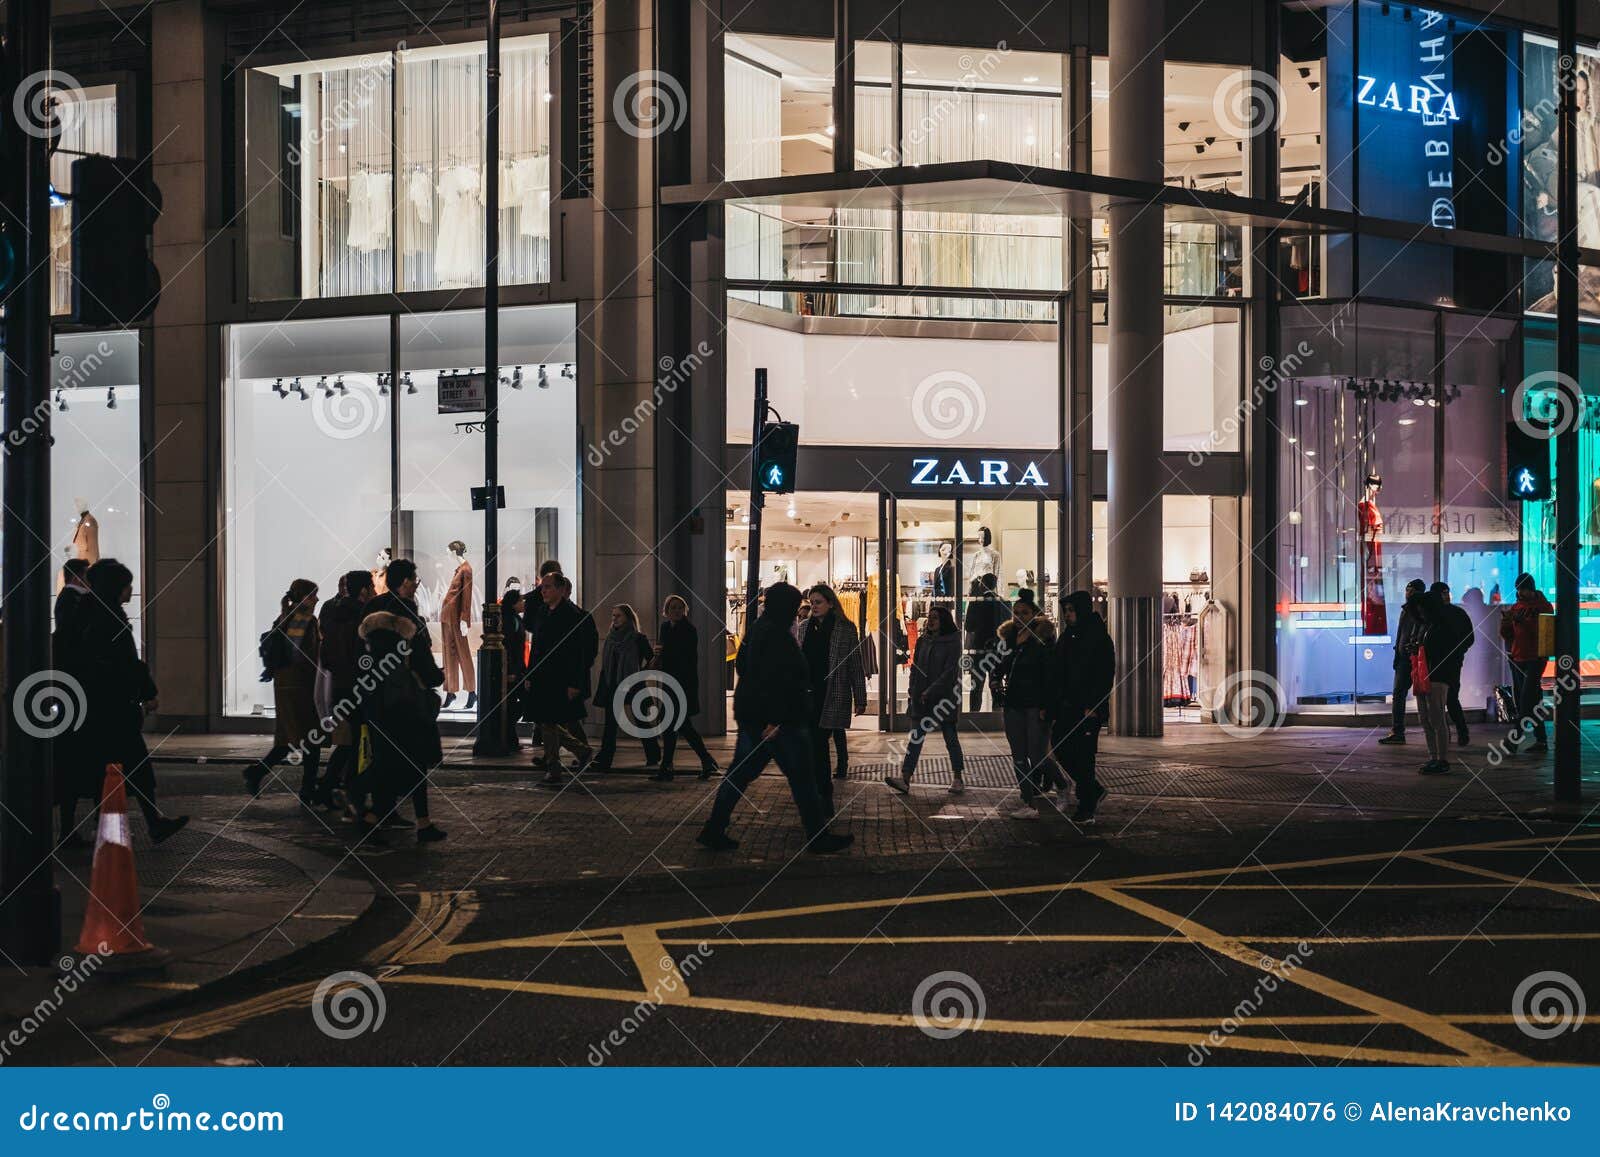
x: 114, y: 208
x: 780, y: 445
x: 1527, y: 464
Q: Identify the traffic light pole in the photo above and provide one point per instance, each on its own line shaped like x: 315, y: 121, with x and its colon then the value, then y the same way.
x: 30, y: 906
x: 494, y: 722
x: 1569, y: 739
x: 752, y: 592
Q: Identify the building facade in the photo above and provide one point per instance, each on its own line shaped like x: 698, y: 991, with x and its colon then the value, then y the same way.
x: 908, y: 214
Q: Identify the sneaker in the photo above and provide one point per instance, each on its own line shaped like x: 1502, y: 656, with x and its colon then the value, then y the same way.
x: 710, y: 770
x: 828, y: 843
x: 1434, y: 767
x: 552, y: 778
x: 1394, y: 737
x: 252, y: 780
x: 958, y: 786
x: 1088, y: 801
x: 716, y: 841
x: 897, y: 783
x: 431, y: 834
x: 664, y: 775
x: 1463, y: 738
x: 1026, y: 812
x: 539, y: 763
x: 397, y: 821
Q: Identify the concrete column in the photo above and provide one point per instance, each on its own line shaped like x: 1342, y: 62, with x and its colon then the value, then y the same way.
x: 616, y: 323
x: 1135, y: 409
x: 180, y: 521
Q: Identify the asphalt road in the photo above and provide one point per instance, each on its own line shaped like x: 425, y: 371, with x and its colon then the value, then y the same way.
x: 1295, y: 941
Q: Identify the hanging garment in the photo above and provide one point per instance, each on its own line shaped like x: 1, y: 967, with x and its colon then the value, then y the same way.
x: 1211, y: 652
x: 416, y: 211
x: 458, y: 255
x: 86, y: 538
x: 455, y: 616
x: 369, y: 211
x: 531, y: 195
x: 1374, y: 616
x: 1177, y: 661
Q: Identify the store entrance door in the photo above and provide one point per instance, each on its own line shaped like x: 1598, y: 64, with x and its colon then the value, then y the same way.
x: 970, y: 557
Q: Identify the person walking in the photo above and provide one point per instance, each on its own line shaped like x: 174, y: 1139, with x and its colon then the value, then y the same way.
x: 1086, y: 669
x: 1519, y: 627
x: 1025, y: 679
x: 625, y: 652
x: 558, y: 683
x: 832, y: 649
x: 289, y: 657
x: 985, y: 614
x: 678, y: 659
x: 75, y: 776
x: 1407, y: 638
x: 533, y: 613
x: 1446, y: 637
x: 339, y: 656
x: 399, y: 598
x: 515, y: 635
x: 401, y: 715
x: 772, y: 711
x: 118, y: 693
x: 933, y: 699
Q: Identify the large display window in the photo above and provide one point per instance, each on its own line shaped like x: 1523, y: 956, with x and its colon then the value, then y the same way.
x: 316, y: 419
x: 97, y: 455
x: 363, y: 174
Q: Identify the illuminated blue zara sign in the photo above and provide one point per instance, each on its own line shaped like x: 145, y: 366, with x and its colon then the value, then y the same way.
x: 1427, y: 100
x: 978, y: 472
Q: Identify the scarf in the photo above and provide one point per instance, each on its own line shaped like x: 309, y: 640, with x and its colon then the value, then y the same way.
x: 621, y: 657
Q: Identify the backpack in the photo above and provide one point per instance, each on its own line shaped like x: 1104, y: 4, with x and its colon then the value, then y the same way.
x: 274, y: 651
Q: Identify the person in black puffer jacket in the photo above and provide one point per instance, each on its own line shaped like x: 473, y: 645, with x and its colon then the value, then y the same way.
x: 933, y: 699
x: 401, y: 717
x: 772, y: 708
x: 1086, y: 668
x: 1028, y: 680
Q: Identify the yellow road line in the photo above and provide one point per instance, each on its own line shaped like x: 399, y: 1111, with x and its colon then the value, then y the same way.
x: 657, y: 968
x: 1475, y: 1050
x: 1093, y: 938
x: 1095, y: 1030
x: 1580, y: 891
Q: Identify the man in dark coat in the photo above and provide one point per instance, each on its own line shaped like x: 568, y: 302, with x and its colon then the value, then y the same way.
x: 533, y: 615
x: 564, y: 649
x: 339, y: 655
x: 1087, y: 668
x: 772, y: 708
x: 1407, y: 638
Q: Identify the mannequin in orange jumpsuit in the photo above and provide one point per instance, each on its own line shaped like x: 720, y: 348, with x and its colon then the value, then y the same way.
x: 1374, y: 615
x: 455, y: 617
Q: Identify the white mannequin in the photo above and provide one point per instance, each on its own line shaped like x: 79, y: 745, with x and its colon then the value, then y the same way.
x: 986, y: 559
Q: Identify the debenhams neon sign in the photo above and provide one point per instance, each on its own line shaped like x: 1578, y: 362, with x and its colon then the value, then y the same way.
x: 954, y: 472
x: 1429, y: 101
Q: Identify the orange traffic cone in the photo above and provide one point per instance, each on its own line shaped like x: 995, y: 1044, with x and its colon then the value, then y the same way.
x: 112, y: 923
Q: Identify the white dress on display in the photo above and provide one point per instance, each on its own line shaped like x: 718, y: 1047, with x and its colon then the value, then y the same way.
x: 459, y: 252
x: 1211, y: 668
x: 416, y: 210
x: 369, y: 211
x: 531, y: 195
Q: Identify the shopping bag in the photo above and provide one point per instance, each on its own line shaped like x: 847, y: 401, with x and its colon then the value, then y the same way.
x: 1420, y: 683
x: 364, y: 752
x: 1547, y: 636
x: 1505, y: 704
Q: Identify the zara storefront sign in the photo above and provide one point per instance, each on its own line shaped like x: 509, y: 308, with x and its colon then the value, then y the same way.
x: 1419, y: 99
x: 996, y: 472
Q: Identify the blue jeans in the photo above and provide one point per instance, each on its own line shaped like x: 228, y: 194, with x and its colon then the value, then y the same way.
x: 790, y: 745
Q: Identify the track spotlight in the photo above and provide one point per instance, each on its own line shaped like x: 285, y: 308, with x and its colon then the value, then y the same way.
x: 277, y: 388
x: 299, y: 387
x: 544, y: 379
x: 411, y: 386
x: 383, y: 385
x: 339, y: 385
x: 516, y: 378
x: 570, y: 372
x: 322, y: 384
x: 111, y: 397
x: 61, y: 399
